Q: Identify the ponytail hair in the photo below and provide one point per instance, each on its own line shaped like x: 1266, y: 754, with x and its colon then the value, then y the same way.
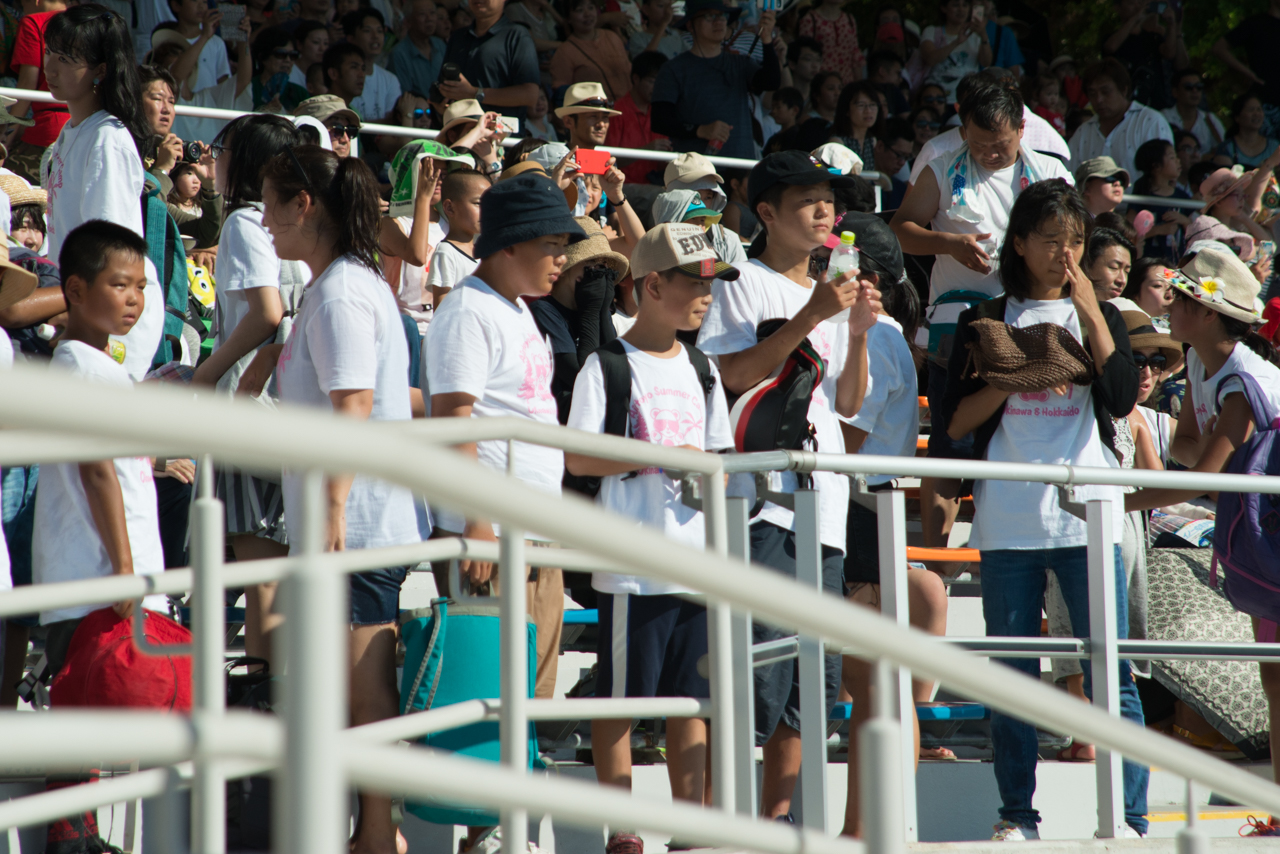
x: 98, y: 36
x: 344, y: 188
x: 1238, y: 330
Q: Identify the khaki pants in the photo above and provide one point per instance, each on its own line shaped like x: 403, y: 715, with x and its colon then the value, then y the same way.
x: 544, y: 593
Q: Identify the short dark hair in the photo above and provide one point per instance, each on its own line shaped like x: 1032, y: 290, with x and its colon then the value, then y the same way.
x: 992, y: 107
x: 896, y: 128
x: 789, y: 96
x: 455, y: 181
x: 1112, y: 69
x: 21, y: 215
x: 1117, y: 223
x: 1052, y: 199
x: 336, y: 54
x: 353, y: 21
x: 1198, y: 172
x: 1148, y: 156
x: 880, y: 59
x: 803, y: 43
x: 647, y: 63
x: 1179, y: 135
x: 843, y: 126
x: 517, y: 152
x: 1103, y: 239
x: 86, y: 249
x: 1179, y: 76
x: 268, y: 41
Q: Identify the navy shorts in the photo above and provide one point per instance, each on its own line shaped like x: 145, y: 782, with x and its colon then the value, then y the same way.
x: 375, y: 595
x: 862, y: 539
x: 777, y: 686
x: 649, y: 646
x: 940, y: 444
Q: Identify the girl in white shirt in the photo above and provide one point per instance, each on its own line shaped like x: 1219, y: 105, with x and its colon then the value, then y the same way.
x: 1213, y: 311
x: 1020, y: 528
x: 347, y: 355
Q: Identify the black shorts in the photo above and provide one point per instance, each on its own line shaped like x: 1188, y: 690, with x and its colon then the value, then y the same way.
x: 862, y: 541
x: 940, y: 444
x: 777, y: 686
x: 650, y: 646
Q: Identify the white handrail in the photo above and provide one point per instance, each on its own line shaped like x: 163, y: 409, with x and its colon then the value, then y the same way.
x: 243, y: 433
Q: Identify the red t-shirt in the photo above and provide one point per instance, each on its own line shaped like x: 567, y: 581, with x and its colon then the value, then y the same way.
x: 28, y: 49
x: 631, y: 130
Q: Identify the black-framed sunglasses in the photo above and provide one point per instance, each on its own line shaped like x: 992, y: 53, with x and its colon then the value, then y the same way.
x: 595, y: 104
x: 925, y: 123
x: 281, y: 53
x: 348, y: 131
x: 1157, y: 362
x: 1113, y: 179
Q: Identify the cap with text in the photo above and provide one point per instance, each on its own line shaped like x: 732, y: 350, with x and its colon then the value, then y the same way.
x: 679, y: 245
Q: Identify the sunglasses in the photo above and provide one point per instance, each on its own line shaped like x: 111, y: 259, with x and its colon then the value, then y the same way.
x: 595, y: 103
x: 419, y: 112
x: 344, y: 130
x: 924, y: 123
x: 1156, y: 362
x: 1112, y: 179
x: 281, y: 53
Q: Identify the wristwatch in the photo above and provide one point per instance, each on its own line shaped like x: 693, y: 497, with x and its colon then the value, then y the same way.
x: 480, y: 94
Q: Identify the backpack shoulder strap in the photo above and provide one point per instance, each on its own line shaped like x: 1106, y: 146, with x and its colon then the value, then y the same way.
x: 702, y: 365
x: 1264, y: 414
x: 616, y: 369
x: 992, y: 309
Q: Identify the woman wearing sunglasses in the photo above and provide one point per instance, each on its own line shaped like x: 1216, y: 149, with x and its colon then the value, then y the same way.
x: 924, y: 127
x: 273, y: 58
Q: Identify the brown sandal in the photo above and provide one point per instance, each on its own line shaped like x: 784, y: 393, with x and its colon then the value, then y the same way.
x: 1077, y: 752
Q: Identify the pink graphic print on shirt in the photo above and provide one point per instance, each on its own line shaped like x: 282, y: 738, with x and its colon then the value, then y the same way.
x: 535, y: 391
x: 677, y: 420
x: 1064, y: 408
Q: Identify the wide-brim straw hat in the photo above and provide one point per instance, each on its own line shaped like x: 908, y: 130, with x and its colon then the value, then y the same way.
x: 468, y: 110
x: 595, y: 247
x: 1221, y: 184
x: 16, y: 283
x: 22, y: 193
x: 1143, y: 333
x: 1214, y: 277
x: 588, y: 97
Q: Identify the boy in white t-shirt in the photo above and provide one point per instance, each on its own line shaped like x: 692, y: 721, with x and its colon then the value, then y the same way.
x: 99, y: 518
x: 454, y: 258
x: 485, y: 358
x: 651, y: 639
x: 791, y: 194
x: 213, y: 65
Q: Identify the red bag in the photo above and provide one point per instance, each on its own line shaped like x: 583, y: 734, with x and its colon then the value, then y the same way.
x: 104, y: 668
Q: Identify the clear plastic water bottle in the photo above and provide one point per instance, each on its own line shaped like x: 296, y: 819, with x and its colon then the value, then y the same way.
x: 844, y: 259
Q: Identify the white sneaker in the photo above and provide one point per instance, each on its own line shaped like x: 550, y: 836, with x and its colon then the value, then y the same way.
x: 1007, y: 831
x: 1130, y: 833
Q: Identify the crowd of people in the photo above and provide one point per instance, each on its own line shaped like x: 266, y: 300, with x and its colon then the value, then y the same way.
x: 513, y: 266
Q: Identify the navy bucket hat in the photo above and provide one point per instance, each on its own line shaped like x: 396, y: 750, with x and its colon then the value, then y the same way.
x: 523, y: 208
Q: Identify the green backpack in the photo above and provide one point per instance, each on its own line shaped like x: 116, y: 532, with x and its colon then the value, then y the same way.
x: 164, y: 248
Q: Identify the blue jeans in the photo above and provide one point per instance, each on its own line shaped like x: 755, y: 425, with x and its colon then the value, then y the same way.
x: 1013, y: 582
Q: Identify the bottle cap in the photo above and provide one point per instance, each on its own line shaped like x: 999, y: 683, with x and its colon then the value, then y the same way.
x: 847, y: 238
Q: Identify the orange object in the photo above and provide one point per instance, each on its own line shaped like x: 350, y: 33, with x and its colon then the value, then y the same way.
x: 924, y: 554
x: 922, y: 401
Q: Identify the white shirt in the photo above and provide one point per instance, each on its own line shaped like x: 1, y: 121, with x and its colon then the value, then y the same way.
x: 1207, y: 128
x: 213, y: 64
x: 1037, y: 135
x: 1140, y: 124
x: 479, y: 343
x: 94, y: 171
x: 890, y: 412
x: 66, y: 545
x: 381, y: 91
x: 348, y: 335
x: 414, y: 293
x: 246, y: 260
x: 1205, y: 392
x: 449, y: 265
x: 668, y: 407
x: 6, y: 362
x: 1042, y: 427
x: 730, y: 326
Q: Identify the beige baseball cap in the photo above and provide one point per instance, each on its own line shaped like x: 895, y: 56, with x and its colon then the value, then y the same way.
x: 325, y: 107
x: 689, y: 167
x: 679, y: 245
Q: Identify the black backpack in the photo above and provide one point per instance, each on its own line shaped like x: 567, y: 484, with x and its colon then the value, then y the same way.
x: 616, y: 369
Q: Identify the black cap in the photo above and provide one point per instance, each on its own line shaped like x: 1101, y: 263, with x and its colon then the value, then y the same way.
x: 694, y: 8
x: 878, y: 246
x: 523, y: 208
x: 790, y: 167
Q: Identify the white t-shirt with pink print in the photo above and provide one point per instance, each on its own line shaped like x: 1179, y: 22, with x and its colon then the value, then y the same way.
x: 482, y: 344
x: 668, y: 407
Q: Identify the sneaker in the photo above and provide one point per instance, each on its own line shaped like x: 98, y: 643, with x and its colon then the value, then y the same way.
x: 1258, y: 828
x: 1007, y: 831
x: 624, y: 843
x: 1131, y: 833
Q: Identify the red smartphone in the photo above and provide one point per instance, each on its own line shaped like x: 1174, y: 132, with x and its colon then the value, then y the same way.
x: 592, y: 161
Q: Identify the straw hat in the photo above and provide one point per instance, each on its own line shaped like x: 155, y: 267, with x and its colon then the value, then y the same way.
x: 586, y: 97
x: 468, y: 110
x: 166, y: 36
x: 520, y: 168
x: 1216, y: 278
x: 594, y: 247
x: 1142, y: 333
x: 22, y: 193
x: 16, y: 283
x: 1221, y: 184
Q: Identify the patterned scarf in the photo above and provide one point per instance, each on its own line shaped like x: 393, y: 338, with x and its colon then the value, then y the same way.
x: 963, y: 191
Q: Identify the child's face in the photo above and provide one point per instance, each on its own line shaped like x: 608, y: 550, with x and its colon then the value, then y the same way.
x: 187, y: 185
x: 888, y: 73
x: 681, y: 300
x: 1171, y: 166
x: 69, y: 78
x: 1110, y: 272
x: 803, y: 217
x: 189, y: 11
x: 540, y: 106
x: 1102, y: 195
x: 28, y: 234
x: 1048, y: 96
x: 782, y: 114
x: 808, y: 63
x: 540, y: 262
x: 464, y: 210
x: 113, y: 302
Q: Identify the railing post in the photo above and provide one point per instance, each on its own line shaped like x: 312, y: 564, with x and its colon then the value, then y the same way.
x: 744, y: 701
x: 1104, y: 660
x: 813, y: 691
x: 719, y: 652
x: 891, y: 521
x: 208, y: 622
x: 513, y: 719
x: 313, y: 817
x: 880, y: 768
x: 1192, y: 838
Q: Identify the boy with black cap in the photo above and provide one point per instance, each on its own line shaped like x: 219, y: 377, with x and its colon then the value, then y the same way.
x: 791, y: 194
x: 651, y: 639
x: 486, y: 358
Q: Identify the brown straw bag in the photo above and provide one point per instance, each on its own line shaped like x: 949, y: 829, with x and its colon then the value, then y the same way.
x: 1038, y: 357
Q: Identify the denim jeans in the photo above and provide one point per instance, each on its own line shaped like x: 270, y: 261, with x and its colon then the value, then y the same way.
x: 1013, y: 583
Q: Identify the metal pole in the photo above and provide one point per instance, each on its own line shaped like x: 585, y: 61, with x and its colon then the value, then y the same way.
x: 879, y: 769
x: 208, y: 624
x: 813, y: 689
x: 313, y: 816
x: 720, y: 653
x: 168, y: 825
x: 1105, y: 661
x: 513, y: 720
x: 1192, y: 838
x: 744, y: 705
x: 891, y: 521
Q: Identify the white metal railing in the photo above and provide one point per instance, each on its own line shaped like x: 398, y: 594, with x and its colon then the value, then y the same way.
x: 314, y: 772
x: 1165, y: 202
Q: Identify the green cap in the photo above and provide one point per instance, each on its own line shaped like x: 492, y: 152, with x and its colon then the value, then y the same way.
x: 404, y: 171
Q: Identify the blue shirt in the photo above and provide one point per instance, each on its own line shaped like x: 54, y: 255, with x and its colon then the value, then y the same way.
x: 415, y: 72
x: 1007, y: 54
